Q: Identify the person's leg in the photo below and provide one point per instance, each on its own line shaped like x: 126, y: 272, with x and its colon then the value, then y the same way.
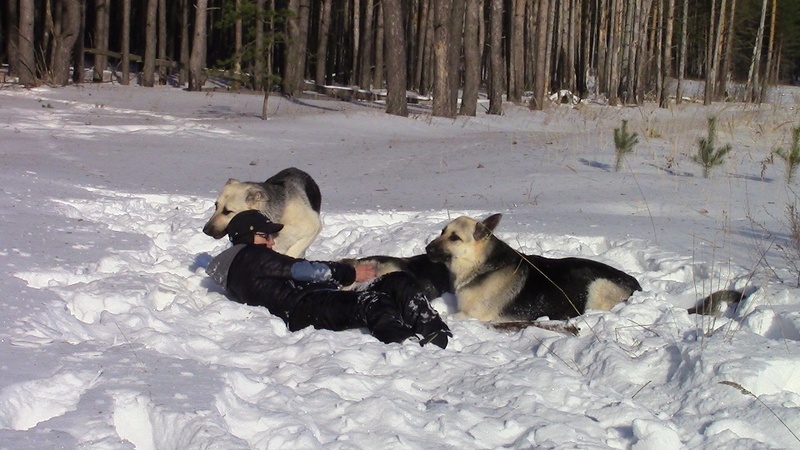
x: 413, y: 305
x: 343, y: 310
x: 325, y: 309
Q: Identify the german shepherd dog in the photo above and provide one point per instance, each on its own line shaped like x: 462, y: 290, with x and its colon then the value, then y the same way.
x: 290, y: 197
x: 495, y: 283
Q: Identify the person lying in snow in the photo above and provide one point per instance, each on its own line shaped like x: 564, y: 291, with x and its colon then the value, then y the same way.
x: 392, y: 307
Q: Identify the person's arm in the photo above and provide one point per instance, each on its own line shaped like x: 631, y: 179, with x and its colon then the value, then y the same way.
x: 342, y: 274
x: 277, y: 265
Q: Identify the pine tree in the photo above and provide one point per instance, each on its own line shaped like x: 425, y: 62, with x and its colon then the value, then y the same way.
x: 708, y: 156
x: 792, y: 156
x: 623, y: 143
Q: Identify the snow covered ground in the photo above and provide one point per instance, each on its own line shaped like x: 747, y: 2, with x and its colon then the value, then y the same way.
x: 112, y: 336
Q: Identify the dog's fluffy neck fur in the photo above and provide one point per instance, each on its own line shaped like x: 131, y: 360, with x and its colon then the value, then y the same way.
x: 483, y: 288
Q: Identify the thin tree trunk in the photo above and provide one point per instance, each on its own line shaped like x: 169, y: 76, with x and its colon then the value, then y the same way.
x: 770, y: 49
x: 26, y: 68
x: 78, y: 75
x: 151, y: 37
x: 496, y: 74
x: 422, y: 46
x: 125, y: 44
x: 322, y: 43
x: 441, y: 74
x: 727, y: 56
x: 669, y: 17
x: 269, y: 68
x: 237, y: 45
x: 396, y: 101
x: 365, y: 65
x: 356, y: 39
x: 197, y: 61
x: 12, y: 35
x: 540, y: 76
x: 683, y: 58
x: 472, y: 59
x: 380, y: 49
x: 102, y: 17
x: 162, y: 40
x: 516, y: 65
x: 258, y: 44
x: 752, y: 86
x: 454, y: 50
x: 183, y: 74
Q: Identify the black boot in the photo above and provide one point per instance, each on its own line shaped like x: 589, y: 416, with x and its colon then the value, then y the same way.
x: 382, y: 317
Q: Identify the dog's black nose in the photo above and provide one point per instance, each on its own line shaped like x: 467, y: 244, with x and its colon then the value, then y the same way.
x: 434, y: 252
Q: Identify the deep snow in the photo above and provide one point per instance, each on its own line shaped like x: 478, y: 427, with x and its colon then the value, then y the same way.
x: 113, y: 337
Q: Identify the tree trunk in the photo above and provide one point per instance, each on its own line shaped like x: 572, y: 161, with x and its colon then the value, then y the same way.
x: 297, y: 34
x: 441, y: 74
x: 197, y: 61
x: 516, y: 65
x: 422, y: 46
x: 472, y: 59
x: 380, y: 49
x: 356, y: 40
x: 770, y: 50
x: 102, y: 17
x: 162, y: 40
x: 683, y: 58
x: 496, y: 74
x: 454, y: 49
x: 151, y: 36
x: 540, y: 77
x: 396, y: 102
x: 669, y: 18
x: 727, y: 56
x: 26, y: 67
x: 78, y: 48
x: 12, y: 35
x: 237, y: 42
x: 64, y: 40
x: 125, y: 44
x: 183, y: 76
x: 752, y: 86
x: 322, y: 43
x: 365, y: 65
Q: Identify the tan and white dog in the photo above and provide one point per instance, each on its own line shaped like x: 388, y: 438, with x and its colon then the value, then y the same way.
x: 495, y: 283
x: 290, y: 197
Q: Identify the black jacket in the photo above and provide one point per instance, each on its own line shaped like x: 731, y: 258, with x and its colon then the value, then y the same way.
x: 258, y: 276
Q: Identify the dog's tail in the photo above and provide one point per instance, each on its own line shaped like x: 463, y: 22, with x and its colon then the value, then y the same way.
x: 712, y: 305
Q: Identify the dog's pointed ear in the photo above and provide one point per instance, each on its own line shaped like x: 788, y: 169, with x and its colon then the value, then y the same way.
x: 492, y: 221
x: 231, y: 181
x: 485, y: 228
x: 255, y: 196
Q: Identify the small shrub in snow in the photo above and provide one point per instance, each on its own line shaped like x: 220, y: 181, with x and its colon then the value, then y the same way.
x: 623, y: 143
x: 708, y: 156
x: 792, y: 156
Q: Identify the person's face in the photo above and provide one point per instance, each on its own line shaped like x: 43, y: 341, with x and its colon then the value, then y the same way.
x: 264, y: 239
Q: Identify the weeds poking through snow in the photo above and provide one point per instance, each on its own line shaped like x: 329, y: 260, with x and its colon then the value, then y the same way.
x: 708, y: 156
x: 623, y: 143
x: 792, y: 156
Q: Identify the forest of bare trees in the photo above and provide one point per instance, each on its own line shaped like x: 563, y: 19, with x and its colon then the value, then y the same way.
x: 619, y: 51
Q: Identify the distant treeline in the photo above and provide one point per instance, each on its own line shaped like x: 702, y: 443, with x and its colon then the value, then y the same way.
x: 621, y: 50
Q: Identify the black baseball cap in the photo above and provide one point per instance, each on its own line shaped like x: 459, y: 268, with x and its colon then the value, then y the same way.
x: 244, y: 226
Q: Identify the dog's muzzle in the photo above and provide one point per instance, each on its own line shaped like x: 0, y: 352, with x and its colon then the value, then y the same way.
x: 436, y: 254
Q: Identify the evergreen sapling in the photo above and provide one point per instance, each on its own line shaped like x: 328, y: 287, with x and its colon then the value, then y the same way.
x: 623, y: 143
x: 792, y: 156
x: 707, y: 156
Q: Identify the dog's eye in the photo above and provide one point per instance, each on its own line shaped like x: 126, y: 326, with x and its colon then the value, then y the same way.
x: 226, y: 211
x: 454, y: 238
